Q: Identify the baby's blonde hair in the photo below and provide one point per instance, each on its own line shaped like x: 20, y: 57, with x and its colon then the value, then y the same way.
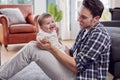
x: 43, y: 16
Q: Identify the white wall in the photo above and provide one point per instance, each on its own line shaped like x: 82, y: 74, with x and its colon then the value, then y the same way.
x: 115, y: 3
x: 39, y: 6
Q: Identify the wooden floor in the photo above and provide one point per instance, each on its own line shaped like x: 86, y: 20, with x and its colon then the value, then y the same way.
x: 14, y: 48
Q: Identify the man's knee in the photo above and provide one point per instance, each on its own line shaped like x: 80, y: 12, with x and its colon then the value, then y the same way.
x: 32, y: 43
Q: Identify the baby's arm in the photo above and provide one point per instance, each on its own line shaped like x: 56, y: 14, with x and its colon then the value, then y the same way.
x: 57, y: 30
x: 38, y: 36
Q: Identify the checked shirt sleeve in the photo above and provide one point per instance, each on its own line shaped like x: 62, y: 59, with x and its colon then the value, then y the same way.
x: 91, y: 50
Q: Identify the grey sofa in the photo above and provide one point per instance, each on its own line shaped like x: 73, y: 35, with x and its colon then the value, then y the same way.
x: 113, y: 28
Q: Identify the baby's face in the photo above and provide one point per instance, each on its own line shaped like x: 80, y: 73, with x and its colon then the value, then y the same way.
x: 48, y: 24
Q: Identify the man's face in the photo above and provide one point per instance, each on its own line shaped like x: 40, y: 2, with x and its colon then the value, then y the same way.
x: 48, y: 24
x: 85, y: 18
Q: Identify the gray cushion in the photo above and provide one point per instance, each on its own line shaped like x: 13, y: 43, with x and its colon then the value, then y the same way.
x: 14, y: 15
x: 31, y: 72
x: 117, y: 69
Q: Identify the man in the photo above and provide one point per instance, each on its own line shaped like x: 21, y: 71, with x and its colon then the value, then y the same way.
x: 92, y: 47
x: 89, y: 56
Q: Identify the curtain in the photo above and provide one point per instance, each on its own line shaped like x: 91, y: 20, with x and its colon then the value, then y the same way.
x: 64, y: 24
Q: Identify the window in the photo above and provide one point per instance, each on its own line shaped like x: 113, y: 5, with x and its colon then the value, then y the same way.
x: 106, y: 3
x: 106, y: 16
x: 17, y: 1
x: 49, y: 1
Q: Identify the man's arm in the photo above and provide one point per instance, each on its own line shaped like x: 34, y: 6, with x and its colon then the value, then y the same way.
x: 66, y: 60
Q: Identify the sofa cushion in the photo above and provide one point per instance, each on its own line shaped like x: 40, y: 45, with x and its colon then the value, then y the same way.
x: 33, y: 71
x: 30, y: 19
x: 14, y: 15
x: 115, y: 40
x: 22, y: 28
x: 113, y: 23
x: 117, y: 69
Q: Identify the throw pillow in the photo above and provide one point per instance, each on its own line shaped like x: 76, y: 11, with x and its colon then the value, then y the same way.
x: 14, y: 15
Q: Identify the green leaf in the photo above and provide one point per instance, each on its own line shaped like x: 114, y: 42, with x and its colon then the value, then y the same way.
x: 59, y: 16
x: 52, y: 9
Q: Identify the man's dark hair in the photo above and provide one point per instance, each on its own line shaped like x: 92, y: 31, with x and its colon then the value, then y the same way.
x: 95, y: 6
x: 43, y: 16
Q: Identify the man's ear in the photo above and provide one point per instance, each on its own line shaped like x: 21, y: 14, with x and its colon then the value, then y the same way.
x: 96, y: 18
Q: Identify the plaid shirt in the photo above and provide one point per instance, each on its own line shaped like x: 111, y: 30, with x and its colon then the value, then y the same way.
x: 92, y: 53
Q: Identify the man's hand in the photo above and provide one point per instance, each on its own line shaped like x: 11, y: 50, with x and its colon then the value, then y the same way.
x: 44, y: 43
x: 67, y: 50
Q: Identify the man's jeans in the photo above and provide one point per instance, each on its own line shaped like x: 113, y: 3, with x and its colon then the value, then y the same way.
x: 47, y: 62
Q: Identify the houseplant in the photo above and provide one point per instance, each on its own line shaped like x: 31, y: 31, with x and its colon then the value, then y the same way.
x: 55, y: 11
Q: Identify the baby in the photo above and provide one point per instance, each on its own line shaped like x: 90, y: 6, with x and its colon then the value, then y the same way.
x: 49, y: 30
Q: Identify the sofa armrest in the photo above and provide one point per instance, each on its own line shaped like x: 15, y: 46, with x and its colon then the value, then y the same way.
x: 30, y: 19
x: 115, y: 40
x: 4, y: 20
x: 4, y: 28
x: 113, y: 23
x: 36, y: 22
x: 33, y: 20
